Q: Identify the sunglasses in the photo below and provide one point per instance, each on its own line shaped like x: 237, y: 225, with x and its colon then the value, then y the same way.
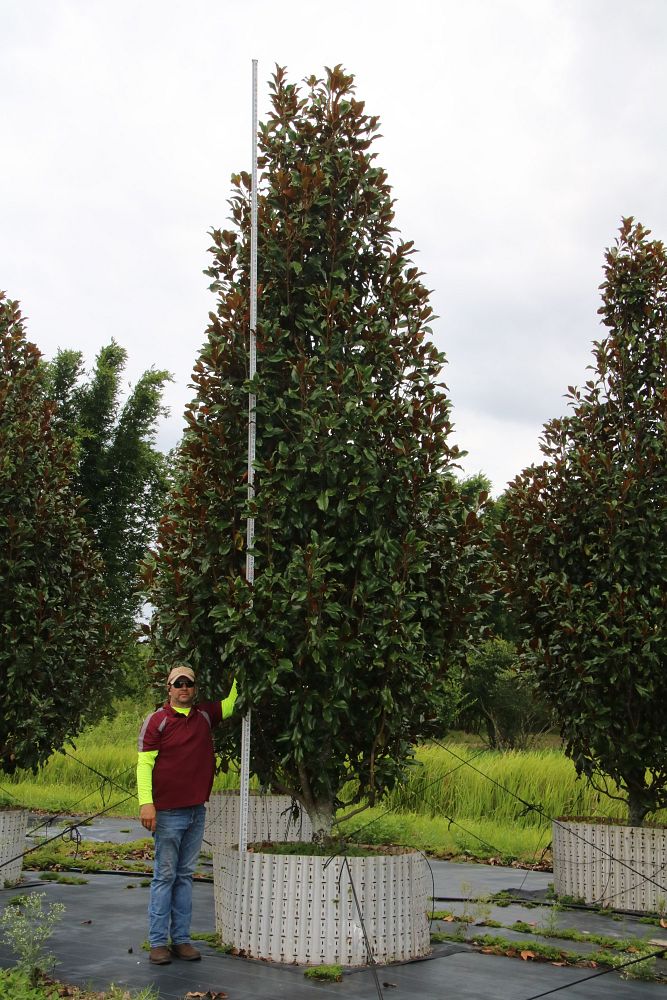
x: 183, y: 682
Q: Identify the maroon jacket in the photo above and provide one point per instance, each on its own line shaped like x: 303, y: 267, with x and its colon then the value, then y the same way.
x: 183, y: 771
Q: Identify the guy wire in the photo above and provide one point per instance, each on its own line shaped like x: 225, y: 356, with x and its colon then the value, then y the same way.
x: 535, y: 808
x: 67, y: 829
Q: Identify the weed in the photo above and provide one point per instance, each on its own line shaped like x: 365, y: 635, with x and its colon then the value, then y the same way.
x: 15, y: 985
x: 550, y: 921
x: 644, y: 970
x: 440, y: 937
x: 26, y: 927
x: 62, y: 879
x: 504, y: 946
x: 521, y: 927
x: 566, y: 900
x: 475, y: 908
x: 214, y: 940
x: 655, y: 919
x: 325, y: 973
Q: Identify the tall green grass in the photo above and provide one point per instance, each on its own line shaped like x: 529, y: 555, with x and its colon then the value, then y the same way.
x: 475, y: 838
x: 497, y: 785
x: 491, y: 787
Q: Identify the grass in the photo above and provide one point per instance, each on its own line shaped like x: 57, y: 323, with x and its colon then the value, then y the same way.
x: 468, y: 838
x: 498, y: 784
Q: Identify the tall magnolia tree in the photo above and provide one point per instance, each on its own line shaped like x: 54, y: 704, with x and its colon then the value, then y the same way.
x: 118, y: 471
x: 56, y: 649
x: 584, y: 542
x: 365, y: 552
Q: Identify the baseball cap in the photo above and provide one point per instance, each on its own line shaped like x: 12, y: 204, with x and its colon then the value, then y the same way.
x: 180, y: 671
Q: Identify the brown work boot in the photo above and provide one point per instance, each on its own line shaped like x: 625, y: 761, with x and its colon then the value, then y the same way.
x: 160, y: 955
x: 186, y: 952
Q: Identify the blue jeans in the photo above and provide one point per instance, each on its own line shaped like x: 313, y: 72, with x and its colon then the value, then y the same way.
x: 178, y: 838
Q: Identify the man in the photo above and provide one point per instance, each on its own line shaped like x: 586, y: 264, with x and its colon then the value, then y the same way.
x: 174, y: 778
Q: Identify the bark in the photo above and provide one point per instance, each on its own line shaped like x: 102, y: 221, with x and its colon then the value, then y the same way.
x: 637, y: 806
x: 321, y: 814
x: 320, y: 811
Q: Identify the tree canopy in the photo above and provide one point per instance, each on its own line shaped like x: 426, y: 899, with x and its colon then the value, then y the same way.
x: 584, y: 542
x: 365, y: 551
x: 57, y: 654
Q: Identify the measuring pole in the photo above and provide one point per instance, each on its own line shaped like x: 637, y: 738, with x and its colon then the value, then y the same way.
x: 252, y: 436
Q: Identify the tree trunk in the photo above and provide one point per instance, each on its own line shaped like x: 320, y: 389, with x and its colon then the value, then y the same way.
x: 637, y: 806
x: 321, y: 815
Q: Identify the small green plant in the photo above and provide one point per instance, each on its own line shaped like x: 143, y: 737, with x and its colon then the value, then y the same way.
x: 566, y: 900
x: 521, y: 927
x: 15, y: 985
x: 62, y: 879
x: 26, y: 926
x: 325, y: 973
x: 643, y: 969
x: 502, y: 898
x: 214, y: 940
x: 476, y: 909
x: 120, y: 993
x: 550, y: 920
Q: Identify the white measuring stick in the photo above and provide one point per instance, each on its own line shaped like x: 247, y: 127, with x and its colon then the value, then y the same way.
x: 252, y: 437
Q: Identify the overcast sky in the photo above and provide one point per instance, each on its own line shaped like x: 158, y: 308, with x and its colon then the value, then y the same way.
x: 516, y: 134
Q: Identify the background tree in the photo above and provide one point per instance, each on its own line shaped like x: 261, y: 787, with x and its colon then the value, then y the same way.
x: 119, y: 473
x: 584, y: 542
x: 499, y: 697
x: 57, y: 654
x: 365, y: 550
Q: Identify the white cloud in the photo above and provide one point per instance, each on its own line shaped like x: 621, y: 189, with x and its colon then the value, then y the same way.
x: 516, y: 135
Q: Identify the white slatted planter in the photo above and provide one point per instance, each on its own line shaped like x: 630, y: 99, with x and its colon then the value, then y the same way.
x: 291, y: 909
x: 269, y: 818
x: 13, y: 824
x: 585, y: 867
